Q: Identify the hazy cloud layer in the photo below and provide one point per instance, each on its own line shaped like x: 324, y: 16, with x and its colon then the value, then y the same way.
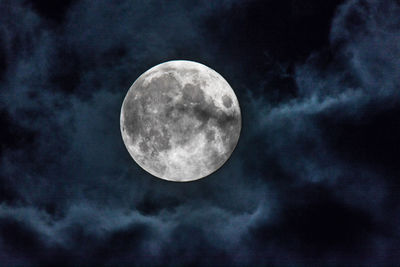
x: 314, y: 176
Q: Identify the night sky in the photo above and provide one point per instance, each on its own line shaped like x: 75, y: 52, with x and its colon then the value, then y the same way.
x: 314, y: 178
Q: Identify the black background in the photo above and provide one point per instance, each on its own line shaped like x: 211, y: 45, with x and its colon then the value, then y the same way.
x: 313, y: 180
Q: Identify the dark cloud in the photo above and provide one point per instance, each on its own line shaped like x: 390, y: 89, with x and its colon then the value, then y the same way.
x: 312, y: 181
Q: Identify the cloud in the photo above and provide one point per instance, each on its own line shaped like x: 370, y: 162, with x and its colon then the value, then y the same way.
x: 311, y: 178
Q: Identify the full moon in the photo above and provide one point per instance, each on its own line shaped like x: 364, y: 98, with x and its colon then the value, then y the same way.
x: 180, y: 121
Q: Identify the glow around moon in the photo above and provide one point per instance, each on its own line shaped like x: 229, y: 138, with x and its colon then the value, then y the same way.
x: 180, y: 121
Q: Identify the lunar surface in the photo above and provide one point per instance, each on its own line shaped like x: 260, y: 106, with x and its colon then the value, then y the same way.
x: 180, y: 121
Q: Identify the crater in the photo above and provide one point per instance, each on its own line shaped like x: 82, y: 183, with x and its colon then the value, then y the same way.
x: 227, y: 101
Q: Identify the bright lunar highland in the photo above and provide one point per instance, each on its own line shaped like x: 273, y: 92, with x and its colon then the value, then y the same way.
x: 180, y: 121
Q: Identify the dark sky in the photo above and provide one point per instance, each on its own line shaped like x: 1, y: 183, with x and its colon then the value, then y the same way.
x: 314, y: 179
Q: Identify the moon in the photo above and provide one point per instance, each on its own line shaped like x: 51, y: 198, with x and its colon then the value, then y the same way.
x: 180, y: 121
